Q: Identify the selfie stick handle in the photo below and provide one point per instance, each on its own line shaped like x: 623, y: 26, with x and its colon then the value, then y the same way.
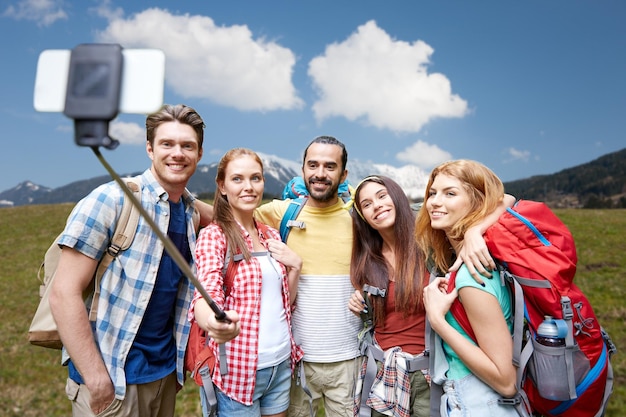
x: 169, y: 245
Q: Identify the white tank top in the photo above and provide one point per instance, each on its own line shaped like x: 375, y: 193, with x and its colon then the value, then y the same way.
x: 274, y: 338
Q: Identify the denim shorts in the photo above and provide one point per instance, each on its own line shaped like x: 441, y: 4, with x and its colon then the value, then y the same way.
x: 469, y: 396
x: 271, y: 394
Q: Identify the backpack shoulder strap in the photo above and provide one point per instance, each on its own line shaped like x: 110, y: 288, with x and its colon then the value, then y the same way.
x: 521, y: 354
x: 229, y: 270
x: 262, y: 228
x: 122, y: 239
x: 195, y: 217
x: 457, y: 310
x: 289, y: 218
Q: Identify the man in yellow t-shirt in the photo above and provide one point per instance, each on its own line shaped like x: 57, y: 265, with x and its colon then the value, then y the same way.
x: 322, y: 324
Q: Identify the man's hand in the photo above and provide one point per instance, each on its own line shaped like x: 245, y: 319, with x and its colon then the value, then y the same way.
x: 101, y: 392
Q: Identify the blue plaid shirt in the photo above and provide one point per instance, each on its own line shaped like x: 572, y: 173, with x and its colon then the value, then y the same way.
x: 128, y: 282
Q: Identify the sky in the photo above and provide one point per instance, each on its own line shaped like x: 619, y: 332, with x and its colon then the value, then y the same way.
x: 525, y: 87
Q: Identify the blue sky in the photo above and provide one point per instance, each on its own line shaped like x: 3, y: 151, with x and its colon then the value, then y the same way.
x: 527, y: 88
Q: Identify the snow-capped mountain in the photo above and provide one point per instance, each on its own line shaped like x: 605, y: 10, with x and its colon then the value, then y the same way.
x: 23, y: 193
x: 278, y: 171
x: 411, y: 178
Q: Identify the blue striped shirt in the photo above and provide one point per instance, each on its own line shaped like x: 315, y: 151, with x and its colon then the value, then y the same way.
x: 128, y: 283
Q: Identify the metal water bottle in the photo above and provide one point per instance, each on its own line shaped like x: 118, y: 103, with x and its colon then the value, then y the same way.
x: 550, y: 360
x: 548, y: 333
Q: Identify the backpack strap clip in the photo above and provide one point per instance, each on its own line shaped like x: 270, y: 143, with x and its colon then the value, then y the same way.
x: 566, y: 305
x: 510, y: 401
x: 374, y: 290
x: 296, y: 223
x: 608, y: 342
x: 113, y: 250
x: 289, y: 217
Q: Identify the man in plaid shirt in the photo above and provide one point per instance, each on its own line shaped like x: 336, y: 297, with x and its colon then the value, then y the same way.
x: 129, y: 362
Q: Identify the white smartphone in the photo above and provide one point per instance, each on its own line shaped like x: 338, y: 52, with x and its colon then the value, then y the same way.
x: 142, y: 84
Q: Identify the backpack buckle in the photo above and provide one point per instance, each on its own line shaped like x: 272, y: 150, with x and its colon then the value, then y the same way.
x: 609, y: 342
x: 510, y: 401
x: 566, y: 306
x: 296, y: 223
x: 113, y: 250
x: 374, y: 290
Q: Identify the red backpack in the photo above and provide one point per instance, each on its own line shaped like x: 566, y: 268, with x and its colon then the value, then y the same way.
x: 536, y: 256
x: 198, y: 354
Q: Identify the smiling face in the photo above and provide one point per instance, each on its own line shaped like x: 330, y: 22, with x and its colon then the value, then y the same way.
x: 447, y: 202
x: 243, y: 185
x: 175, y: 153
x: 376, y: 206
x: 323, y: 172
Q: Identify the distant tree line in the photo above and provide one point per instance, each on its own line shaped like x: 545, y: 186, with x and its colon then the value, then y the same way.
x: 595, y: 202
x: 598, y: 184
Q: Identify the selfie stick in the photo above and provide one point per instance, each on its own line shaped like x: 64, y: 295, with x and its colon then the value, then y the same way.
x: 89, y: 81
x: 169, y: 245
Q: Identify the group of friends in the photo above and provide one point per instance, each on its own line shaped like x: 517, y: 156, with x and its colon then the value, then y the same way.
x: 294, y: 309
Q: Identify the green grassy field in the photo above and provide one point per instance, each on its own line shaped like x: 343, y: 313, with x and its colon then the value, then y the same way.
x: 32, y: 380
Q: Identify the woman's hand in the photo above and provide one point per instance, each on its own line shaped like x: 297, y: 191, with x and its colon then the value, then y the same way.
x: 475, y: 255
x: 222, y: 331
x: 356, y: 304
x: 474, y: 252
x: 284, y: 254
x: 437, y: 301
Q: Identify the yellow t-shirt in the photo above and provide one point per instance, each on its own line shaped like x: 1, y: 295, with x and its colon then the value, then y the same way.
x: 322, y: 323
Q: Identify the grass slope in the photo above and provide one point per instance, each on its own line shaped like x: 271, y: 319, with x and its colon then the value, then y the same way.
x: 32, y: 380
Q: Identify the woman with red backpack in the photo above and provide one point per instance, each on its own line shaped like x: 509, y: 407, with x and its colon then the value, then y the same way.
x: 460, y: 194
x: 261, y: 351
x: 389, y: 269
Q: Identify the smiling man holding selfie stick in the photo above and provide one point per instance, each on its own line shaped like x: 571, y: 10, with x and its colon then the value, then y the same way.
x: 129, y: 361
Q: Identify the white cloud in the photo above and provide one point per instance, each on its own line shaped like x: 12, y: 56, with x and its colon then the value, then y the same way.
x: 382, y: 81
x: 44, y: 12
x: 517, y: 155
x: 106, y: 10
x: 424, y: 155
x: 222, y: 63
x: 129, y: 133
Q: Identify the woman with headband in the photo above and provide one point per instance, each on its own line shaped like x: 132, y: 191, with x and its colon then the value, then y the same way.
x: 389, y: 270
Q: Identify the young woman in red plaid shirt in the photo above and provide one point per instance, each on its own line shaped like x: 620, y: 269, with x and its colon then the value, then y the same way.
x: 260, y: 348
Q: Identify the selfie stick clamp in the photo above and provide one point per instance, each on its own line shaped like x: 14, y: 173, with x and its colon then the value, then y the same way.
x: 93, y: 92
x: 92, y: 101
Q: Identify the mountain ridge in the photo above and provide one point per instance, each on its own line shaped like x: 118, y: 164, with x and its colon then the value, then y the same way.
x: 278, y: 172
x: 600, y: 183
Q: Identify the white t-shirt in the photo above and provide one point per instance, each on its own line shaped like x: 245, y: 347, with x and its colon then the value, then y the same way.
x: 274, y: 340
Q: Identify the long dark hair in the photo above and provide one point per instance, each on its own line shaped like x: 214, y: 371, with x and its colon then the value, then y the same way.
x: 368, y: 265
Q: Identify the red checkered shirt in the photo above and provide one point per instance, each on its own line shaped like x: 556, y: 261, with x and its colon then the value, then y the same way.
x: 245, y: 298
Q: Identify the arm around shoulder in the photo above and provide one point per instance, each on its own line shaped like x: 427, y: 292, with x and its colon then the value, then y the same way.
x: 206, y: 212
x: 474, y: 252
